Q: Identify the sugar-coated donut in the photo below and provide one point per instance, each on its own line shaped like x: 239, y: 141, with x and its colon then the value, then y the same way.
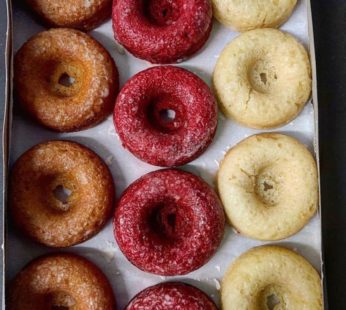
x: 61, y: 193
x: 169, y: 222
x: 65, y: 79
x: 171, y: 296
x: 162, y: 31
x: 263, y: 78
x: 271, y: 277
x: 60, y: 281
x: 268, y: 186
x: 80, y: 14
x: 252, y: 14
x: 143, y: 122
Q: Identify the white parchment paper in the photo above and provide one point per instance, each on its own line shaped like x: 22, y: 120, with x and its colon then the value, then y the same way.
x: 126, y: 279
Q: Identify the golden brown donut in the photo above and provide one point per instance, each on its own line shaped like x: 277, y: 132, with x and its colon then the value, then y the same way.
x: 39, y: 177
x: 60, y: 281
x: 80, y: 14
x: 65, y: 79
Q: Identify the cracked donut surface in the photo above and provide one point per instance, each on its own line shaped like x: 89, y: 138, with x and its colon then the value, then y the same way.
x: 262, y: 79
x: 268, y: 186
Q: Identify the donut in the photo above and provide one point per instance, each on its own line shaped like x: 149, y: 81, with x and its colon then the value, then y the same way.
x: 61, y: 193
x: 65, y: 80
x: 60, y: 281
x: 271, y: 277
x: 162, y: 31
x: 171, y: 296
x: 263, y: 78
x: 168, y: 222
x: 80, y: 14
x: 252, y: 14
x: 166, y: 116
x: 268, y: 186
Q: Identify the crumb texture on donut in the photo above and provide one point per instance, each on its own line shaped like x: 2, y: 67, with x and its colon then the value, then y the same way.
x: 271, y: 277
x: 65, y: 79
x: 268, y: 186
x: 263, y: 78
x: 171, y: 296
x: 80, y: 14
x: 40, y: 207
x: 169, y: 222
x: 60, y: 281
x: 252, y: 14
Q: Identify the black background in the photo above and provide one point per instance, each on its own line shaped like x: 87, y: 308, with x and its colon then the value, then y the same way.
x: 329, y: 18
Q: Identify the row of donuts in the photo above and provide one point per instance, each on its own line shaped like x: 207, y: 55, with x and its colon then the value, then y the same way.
x: 166, y: 115
x: 162, y: 31
x: 168, y: 222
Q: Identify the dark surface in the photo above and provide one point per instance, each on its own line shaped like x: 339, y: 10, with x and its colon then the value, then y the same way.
x: 330, y: 40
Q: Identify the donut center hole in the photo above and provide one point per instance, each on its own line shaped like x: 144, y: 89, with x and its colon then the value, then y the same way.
x: 62, y: 194
x: 162, y: 12
x: 272, y: 301
x: 167, y: 115
x: 262, y: 77
x: 267, y: 189
x: 61, y: 301
x: 66, y: 80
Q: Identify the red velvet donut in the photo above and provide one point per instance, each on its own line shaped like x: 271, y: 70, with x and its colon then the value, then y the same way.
x: 171, y: 296
x: 162, y: 31
x: 169, y: 222
x: 147, y: 129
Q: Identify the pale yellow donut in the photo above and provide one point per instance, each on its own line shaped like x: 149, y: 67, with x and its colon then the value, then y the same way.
x: 263, y: 78
x: 268, y: 186
x: 252, y: 14
x: 271, y: 277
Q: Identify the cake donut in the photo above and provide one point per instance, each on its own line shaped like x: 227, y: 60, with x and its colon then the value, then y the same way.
x: 65, y: 80
x: 61, y: 193
x: 166, y: 116
x: 171, y: 296
x: 252, y: 14
x: 80, y: 14
x: 162, y: 31
x: 169, y: 222
x: 60, y: 281
x: 263, y: 78
x: 268, y: 185
x: 271, y: 277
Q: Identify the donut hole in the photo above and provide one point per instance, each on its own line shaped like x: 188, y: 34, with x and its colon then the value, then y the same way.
x: 267, y: 189
x: 62, y: 194
x: 166, y: 113
x: 66, y: 80
x: 262, y: 77
x: 60, y: 301
x: 162, y: 13
x: 272, y: 301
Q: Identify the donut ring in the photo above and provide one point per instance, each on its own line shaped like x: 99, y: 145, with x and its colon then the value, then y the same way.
x: 162, y: 31
x: 38, y: 204
x: 60, y: 281
x: 252, y: 14
x: 65, y: 80
x: 171, y: 296
x: 80, y: 14
x: 268, y: 186
x: 161, y: 215
x: 142, y: 121
x: 263, y: 78
x: 271, y: 277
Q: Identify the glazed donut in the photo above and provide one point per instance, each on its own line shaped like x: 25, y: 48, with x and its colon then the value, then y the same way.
x: 271, y: 277
x: 169, y: 222
x: 61, y: 193
x: 65, y: 79
x: 80, y: 14
x: 268, y: 186
x: 252, y: 14
x: 60, y: 281
x: 263, y: 78
x: 162, y: 31
x: 146, y: 128
x: 171, y: 296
